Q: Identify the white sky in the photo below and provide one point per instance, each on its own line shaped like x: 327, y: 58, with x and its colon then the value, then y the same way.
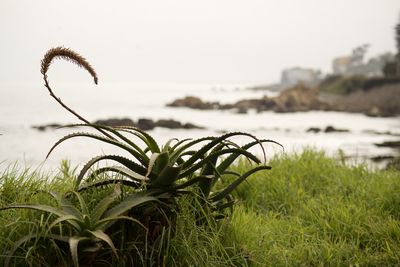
x: 187, y: 41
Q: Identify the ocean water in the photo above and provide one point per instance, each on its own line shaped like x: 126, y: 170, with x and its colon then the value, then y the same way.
x: 25, y: 105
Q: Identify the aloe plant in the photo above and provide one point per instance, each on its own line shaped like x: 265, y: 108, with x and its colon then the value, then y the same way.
x: 170, y: 168
x: 166, y: 170
x: 82, y: 225
x: 156, y: 174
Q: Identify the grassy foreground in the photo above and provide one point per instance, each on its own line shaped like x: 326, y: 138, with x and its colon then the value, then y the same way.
x: 309, y: 210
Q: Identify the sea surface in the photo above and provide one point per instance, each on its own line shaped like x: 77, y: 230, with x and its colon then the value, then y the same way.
x: 24, y: 105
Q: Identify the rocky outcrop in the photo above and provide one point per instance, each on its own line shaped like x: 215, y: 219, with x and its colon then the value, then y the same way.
x: 391, y: 144
x: 115, y: 122
x: 394, y: 162
x: 45, y: 127
x: 381, y: 101
x: 299, y: 98
x: 143, y: 124
x: 193, y: 102
x: 148, y: 124
x: 328, y: 129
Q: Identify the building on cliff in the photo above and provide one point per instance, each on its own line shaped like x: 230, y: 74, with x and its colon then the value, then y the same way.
x: 293, y: 76
x: 354, y: 64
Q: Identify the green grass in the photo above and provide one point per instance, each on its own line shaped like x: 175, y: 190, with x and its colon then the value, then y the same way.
x: 309, y: 210
x: 343, y: 85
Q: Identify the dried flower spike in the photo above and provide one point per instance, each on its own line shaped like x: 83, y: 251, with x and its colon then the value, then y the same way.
x: 69, y: 55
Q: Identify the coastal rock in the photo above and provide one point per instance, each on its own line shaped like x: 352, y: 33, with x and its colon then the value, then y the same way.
x: 381, y: 133
x: 328, y: 129
x: 382, y: 158
x: 380, y: 100
x: 264, y: 103
x: 298, y: 98
x: 146, y: 124
x: 114, y: 122
x: 142, y: 123
x: 331, y: 129
x: 193, y: 102
x: 45, y: 127
x: 313, y: 130
x: 392, y: 144
x: 173, y: 124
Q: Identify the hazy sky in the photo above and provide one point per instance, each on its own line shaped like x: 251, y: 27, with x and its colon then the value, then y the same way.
x: 185, y: 41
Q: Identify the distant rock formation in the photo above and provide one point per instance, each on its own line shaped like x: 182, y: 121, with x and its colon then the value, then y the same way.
x: 298, y: 98
x: 193, y: 102
x: 381, y: 100
x: 114, y: 122
x: 328, y: 129
x: 142, y: 123
x: 148, y: 124
x: 43, y: 128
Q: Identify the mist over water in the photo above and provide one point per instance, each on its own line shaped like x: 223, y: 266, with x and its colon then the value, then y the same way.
x: 35, y: 107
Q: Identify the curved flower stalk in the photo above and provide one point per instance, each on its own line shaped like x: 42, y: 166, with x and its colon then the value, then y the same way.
x: 69, y: 55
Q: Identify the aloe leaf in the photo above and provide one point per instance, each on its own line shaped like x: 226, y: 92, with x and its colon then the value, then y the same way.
x: 167, y: 177
x: 167, y: 146
x: 122, y: 160
x: 214, y: 155
x: 193, y: 181
x: 68, y: 208
x: 103, y: 205
x: 37, y: 207
x: 123, y: 171
x: 237, y: 182
x: 128, y: 203
x: 231, y: 158
x: 107, y: 222
x: 146, y: 138
x: 71, y: 219
x: 108, y: 182
x: 64, y: 203
x: 15, y: 248
x: 82, y: 203
x: 92, y: 248
x: 228, y: 204
x: 152, y: 161
x: 113, y: 131
x: 231, y: 173
x: 162, y: 162
x: 133, y: 152
x: 73, y: 246
x: 209, y: 169
x: 104, y: 237
x: 178, y: 151
x: 213, y: 143
x: 58, y: 237
x: 180, y: 143
x: 186, y: 153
